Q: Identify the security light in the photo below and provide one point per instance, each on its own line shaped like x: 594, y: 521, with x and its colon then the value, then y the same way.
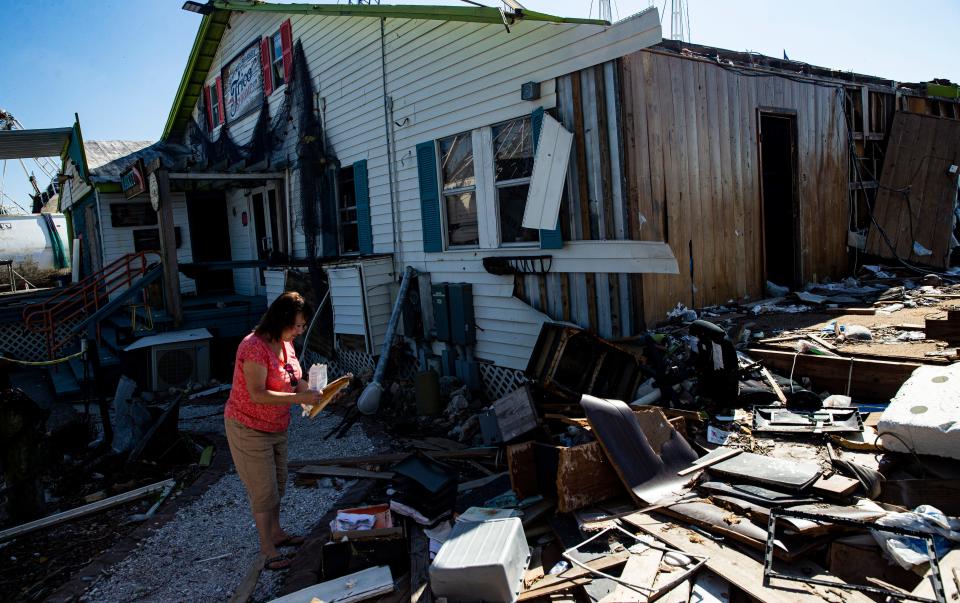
x: 196, y: 7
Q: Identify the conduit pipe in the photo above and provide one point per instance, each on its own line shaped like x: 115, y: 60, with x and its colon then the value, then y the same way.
x: 369, y: 400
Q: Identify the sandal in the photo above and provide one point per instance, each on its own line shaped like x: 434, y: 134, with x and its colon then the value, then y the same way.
x: 280, y: 562
x: 293, y: 541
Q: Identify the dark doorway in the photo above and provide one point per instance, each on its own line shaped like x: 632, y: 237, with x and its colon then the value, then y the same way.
x: 779, y: 194
x: 210, y: 239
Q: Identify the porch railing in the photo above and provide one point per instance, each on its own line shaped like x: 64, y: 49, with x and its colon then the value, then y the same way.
x: 83, y: 299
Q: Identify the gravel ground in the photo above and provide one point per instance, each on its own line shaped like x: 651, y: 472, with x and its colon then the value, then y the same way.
x: 203, y: 553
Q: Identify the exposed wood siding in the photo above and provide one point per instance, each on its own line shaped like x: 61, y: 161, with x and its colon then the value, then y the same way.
x: 118, y: 241
x: 693, y: 174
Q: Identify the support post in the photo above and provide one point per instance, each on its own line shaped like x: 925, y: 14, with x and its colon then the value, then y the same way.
x: 168, y: 248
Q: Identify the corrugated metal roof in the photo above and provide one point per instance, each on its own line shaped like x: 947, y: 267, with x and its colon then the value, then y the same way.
x: 107, y: 159
x: 24, y: 144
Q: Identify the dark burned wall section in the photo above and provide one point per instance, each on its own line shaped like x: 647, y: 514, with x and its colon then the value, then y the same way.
x: 594, y: 208
x: 693, y: 174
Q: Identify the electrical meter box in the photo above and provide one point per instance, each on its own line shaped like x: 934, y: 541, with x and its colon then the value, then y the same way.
x: 463, y: 329
x: 441, y: 311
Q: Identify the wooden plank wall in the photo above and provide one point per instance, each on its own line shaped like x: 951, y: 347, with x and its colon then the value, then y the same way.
x: 693, y: 174
x: 920, y: 150
x: 666, y: 149
x: 594, y: 207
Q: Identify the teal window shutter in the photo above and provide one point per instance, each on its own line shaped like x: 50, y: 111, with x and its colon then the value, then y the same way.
x: 429, y: 197
x: 361, y: 191
x: 549, y: 239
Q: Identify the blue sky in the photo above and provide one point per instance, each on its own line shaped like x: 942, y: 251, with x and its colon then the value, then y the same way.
x: 118, y: 62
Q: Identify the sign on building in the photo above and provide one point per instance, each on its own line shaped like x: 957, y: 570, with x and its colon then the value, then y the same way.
x: 243, y: 83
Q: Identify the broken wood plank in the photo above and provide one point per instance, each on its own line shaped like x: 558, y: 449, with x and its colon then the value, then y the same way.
x: 334, y: 471
x: 713, y: 461
x: 835, y: 485
x: 741, y: 569
x: 873, y: 379
x: 823, y: 342
x: 100, y: 505
x: 710, y: 588
x: 419, y: 566
x: 943, y: 330
x: 573, y: 576
x: 249, y: 583
x: 773, y: 383
x: 362, y: 585
x: 641, y: 569
x: 949, y: 568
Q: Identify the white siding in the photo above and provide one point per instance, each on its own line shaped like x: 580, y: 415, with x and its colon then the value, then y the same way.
x: 380, y: 286
x: 276, y: 281
x: 118, y: 241
x: 346, y: 297
x: 442, y: 78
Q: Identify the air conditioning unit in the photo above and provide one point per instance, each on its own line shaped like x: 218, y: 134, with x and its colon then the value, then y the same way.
x: 177, y: 358
x: 179, y: 364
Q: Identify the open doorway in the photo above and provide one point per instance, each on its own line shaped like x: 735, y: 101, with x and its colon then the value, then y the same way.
x: 778, y: 186
x: 210, y: 238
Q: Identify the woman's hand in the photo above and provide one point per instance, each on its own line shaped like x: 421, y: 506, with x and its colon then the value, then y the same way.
x: 309, y: 397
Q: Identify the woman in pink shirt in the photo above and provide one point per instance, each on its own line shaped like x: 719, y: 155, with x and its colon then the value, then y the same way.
x: 267, y: 381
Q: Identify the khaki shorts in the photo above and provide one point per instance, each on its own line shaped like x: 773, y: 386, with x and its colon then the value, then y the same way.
x: 261, y: 460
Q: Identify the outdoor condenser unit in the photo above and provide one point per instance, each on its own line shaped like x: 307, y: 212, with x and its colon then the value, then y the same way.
x: 177, y: 358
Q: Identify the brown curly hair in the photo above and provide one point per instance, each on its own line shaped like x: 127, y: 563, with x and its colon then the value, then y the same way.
x: 281, y: 314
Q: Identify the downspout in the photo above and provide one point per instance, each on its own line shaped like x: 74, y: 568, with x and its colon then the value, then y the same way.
x: 288, y: 206
x: 387, y: 102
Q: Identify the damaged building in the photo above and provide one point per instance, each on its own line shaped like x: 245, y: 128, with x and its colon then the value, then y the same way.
x: 624, y: 304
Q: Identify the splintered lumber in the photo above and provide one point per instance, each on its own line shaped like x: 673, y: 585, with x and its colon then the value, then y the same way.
x: 949, y: 568
x: 396, y: 457
x: 363, y: 585
x: 944, y: 330
x: 851, y: 311
x: 868, y: 378
x: 95, y: 507
x: 743, y: 570
x: 573, y: 576
x: 249, y: 583
x: 334, y: 471
x: 419, y: 567
x: 641, y: 568
x: 773, y: 383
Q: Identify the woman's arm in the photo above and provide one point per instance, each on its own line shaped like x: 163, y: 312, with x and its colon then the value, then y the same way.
x: 255, y: 375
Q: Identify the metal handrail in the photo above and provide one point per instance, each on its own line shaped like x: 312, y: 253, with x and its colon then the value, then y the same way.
x: 86, y: 296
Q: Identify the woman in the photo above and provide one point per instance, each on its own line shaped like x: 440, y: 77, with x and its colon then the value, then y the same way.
x: 267, y: 381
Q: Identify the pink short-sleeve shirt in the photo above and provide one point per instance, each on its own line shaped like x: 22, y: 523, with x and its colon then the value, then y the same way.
x: 262, y: 417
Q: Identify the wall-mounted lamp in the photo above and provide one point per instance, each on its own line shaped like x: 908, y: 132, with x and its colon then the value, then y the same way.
x: 196, y: 7
x: 61, y: 178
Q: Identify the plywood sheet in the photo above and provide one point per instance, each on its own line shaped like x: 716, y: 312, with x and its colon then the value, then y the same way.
x: 917, y: 195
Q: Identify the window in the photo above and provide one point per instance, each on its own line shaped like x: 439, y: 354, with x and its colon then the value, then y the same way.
x: 513, y: 166
x: 148, y: 239
x: 132, y: 214
x: 459, y: 189
x: 215, y: 104
x: 347, y: 212
x: 276, y: 59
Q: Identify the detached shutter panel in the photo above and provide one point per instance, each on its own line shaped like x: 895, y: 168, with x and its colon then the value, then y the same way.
x: 220, y: 99
x: 549, y: 239
x: 362, y: 191
x: 286, y: 40
x: 265, y: 64
x: 206, y: 98
x: 429, y: 197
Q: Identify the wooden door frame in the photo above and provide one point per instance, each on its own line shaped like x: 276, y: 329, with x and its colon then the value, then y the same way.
x: 790, y: 114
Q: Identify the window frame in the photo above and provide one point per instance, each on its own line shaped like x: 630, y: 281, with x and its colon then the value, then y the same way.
x: 474, y: 188
x: 215, y: 108
x: 498, y: 185
x: 342, y: 208
x: 276, y: 61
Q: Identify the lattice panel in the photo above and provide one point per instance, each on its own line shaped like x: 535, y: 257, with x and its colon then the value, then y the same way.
x: 499, y: 381
x: 18, y: 342
x: 345, y: 362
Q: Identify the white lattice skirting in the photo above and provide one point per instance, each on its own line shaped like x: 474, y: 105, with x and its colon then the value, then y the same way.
x: 18, y: 342
x: 499, y: 381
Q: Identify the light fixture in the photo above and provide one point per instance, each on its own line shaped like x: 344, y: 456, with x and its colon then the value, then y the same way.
x: 61, y: 178
x: 196, y: 7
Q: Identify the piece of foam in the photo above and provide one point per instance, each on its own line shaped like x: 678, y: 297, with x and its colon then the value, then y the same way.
x: 925, y: 413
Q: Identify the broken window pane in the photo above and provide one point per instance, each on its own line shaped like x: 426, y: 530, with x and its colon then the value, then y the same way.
x: 456, y: 162
x: 462, y: 219
x: 512, y: 200
x: 513, y: 150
